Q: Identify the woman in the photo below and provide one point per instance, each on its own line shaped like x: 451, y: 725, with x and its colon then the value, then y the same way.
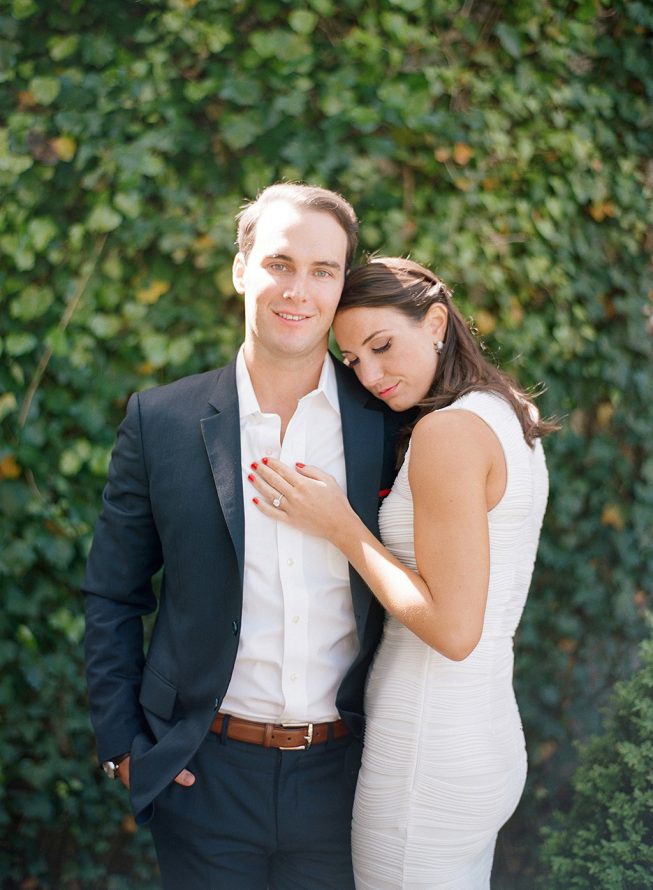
x: 444, y: 761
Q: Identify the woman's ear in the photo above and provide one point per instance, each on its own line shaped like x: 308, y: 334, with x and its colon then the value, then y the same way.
x: 238, y: 273
x: 436, y: 321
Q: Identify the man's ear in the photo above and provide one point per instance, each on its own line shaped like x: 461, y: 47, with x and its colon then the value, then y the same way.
x: 238, y: 272
x: 436, y: 320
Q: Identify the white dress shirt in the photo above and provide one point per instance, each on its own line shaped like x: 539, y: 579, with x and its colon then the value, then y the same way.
x: 298, y: 634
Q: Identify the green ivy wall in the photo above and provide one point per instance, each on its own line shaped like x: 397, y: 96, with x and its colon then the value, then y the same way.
x: 509, y: 146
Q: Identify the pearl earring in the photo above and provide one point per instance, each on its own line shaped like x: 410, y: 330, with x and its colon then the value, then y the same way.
x: 439, y: 346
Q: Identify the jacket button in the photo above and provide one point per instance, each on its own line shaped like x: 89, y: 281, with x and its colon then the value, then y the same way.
x: 234, y: 627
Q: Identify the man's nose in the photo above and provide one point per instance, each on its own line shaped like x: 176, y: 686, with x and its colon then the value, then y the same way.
x: 296, y: 289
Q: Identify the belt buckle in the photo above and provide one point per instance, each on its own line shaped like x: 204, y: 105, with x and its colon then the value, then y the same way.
x: 308, y: 736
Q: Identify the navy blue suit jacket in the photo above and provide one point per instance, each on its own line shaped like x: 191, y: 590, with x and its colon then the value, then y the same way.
x: 174, y: 499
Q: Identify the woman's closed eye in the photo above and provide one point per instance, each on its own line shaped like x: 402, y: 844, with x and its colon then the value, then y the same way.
x: 352, y: 361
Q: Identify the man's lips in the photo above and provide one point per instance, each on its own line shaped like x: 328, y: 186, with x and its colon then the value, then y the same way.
x: 291, y: 316
x: 384, y: 393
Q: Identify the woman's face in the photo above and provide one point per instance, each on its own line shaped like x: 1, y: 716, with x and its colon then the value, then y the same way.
x: 393, y: 356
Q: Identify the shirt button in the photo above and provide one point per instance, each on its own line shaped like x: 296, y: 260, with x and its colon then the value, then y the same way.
x: 293, y: 677
x: 295, y: 619
x: 290, y: 561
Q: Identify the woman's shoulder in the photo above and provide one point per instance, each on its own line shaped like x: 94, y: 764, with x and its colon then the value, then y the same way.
x: 459, y: 433
x: 450, y: 451
x: 491, y: 407
x: 467, y: 429
x: 463, y: 411
x: 485, y: 400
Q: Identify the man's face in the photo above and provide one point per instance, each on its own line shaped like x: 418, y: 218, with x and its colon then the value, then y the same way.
x: 292, y: 281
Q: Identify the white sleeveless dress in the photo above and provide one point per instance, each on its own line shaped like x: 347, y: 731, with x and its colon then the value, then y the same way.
x: 444, y: 761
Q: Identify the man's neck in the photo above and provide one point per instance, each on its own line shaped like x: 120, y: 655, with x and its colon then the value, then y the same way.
x: 279, y: 384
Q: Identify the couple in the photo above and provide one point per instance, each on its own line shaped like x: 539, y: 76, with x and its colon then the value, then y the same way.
x: 257, y: 487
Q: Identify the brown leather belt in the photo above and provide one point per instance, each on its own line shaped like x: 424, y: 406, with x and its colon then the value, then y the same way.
x: 285, y: 736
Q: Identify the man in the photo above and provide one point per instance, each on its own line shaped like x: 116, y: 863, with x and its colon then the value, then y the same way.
x: 239, y: 732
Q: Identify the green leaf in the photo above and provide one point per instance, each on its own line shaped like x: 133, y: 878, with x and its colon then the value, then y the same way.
x: 45, y: 89
x: 180, y: 350
x: 19, y: 343
x: 242, y: 90
x: 8, y: 56
x: 10, y: 161
x: 8, y: 404
x: 303, y: 21
x: 31, y: 302
x: 23, y: 9
x: 61, y: 47
x: 408, y: 5
x: 26, y: 638
x: 129, y: 203
x: 103, y: 219
x: 105, y: 326
x: 323, y: 7
x: 155, y: 349
x: 509, y: 39
x: 41, y: 231
x: 239, y: 131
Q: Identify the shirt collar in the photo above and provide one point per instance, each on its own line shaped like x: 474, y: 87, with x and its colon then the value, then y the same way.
x: 248, y: 403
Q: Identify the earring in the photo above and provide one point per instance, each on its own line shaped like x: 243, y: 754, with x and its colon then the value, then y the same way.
x: 439, y: 346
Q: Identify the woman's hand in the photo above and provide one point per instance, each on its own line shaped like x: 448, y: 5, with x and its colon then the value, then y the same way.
x: 310, y: 499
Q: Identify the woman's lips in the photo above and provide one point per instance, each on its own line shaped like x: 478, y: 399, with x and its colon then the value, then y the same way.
x: 384, y: 393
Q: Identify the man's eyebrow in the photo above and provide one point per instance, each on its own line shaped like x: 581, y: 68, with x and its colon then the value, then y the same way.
x: 332, y: 264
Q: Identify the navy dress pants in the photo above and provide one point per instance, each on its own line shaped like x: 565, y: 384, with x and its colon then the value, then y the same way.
x: 259, y: 818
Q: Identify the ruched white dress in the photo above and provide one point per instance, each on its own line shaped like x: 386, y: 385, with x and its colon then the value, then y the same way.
x: 444, y: 762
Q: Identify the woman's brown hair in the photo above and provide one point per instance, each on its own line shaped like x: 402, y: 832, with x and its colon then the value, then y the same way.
x: 411, y: 288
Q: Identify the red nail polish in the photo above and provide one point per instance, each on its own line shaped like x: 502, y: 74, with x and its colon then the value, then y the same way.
x: 255, y: 500
x: 254, y: 465
x: 250, y: 477
x: 301, y: 466
x: 265, y: 460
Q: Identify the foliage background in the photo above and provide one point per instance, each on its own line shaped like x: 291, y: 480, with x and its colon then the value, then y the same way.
x: 507, y: 145
x: 606, y: 837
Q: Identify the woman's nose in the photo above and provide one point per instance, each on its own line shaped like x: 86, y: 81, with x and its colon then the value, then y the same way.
x: 369, y: 373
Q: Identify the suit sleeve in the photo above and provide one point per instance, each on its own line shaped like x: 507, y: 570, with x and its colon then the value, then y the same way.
x: 117, y: 587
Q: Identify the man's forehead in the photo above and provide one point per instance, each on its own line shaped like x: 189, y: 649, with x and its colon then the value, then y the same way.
x: 283, y: 225
x: 284, y: 214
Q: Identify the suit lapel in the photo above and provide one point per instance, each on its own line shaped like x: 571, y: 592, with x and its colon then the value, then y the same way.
x: 221, y: 434
x: 362, y: 434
